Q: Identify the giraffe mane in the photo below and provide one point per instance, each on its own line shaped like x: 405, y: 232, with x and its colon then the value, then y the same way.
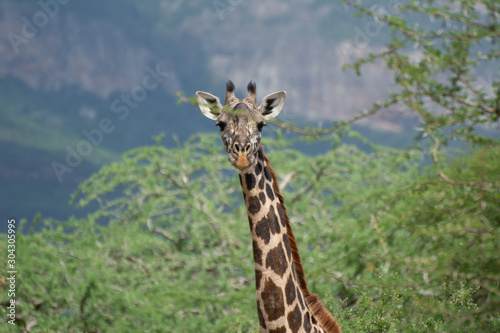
x: 324, y: 318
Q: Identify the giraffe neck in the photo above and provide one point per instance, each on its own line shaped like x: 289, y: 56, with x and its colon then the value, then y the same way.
x: 284, y: 303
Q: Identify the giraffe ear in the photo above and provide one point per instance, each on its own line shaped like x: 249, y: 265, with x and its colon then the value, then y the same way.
x: 272, y: 104
x: 209, y: 104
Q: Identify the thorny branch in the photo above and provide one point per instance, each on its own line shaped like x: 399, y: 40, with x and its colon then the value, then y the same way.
x: 459, y: 17
x: 444, y: 176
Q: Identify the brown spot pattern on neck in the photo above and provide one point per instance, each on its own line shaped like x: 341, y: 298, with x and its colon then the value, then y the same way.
x: 318, y: 310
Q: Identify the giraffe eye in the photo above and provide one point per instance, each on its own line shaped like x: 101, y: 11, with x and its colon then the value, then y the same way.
x: 260, y: 125
x: 221, y: 124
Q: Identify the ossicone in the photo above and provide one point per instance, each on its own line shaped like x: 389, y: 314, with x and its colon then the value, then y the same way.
x: 252, y: 87
x: 230, y: 86
x: 229, y: 92
x: 252, y: 92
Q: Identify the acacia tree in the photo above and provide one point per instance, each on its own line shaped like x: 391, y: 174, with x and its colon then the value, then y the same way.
x: 445, y: 59
x: 444, y: 56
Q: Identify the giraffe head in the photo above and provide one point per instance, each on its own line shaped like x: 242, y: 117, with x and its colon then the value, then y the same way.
x: 241, y: 121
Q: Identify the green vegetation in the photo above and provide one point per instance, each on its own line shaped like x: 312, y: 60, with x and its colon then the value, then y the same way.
x: 391, y: 244
x: 405, y: 250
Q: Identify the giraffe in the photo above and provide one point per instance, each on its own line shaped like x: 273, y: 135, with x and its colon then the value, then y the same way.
x: 284, y: 302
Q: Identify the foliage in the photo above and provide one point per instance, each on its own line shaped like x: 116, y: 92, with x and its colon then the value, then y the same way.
x: 429, y: 252
x: 444, y: 56
x: 158, y: 263
x: 169, y: 250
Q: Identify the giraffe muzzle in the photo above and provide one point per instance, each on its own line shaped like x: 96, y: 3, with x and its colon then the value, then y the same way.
x: 242, y: 162
x: 241, y: 155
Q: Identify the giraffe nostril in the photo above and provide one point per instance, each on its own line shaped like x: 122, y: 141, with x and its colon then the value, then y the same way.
x: 239, y: 148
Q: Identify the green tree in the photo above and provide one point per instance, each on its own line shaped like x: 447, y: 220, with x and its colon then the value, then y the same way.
x: 168, y: 247
x: 445, y: 59
x: 444, y: 56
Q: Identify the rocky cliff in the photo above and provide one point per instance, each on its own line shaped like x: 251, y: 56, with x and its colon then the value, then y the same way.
x: 282, y: 45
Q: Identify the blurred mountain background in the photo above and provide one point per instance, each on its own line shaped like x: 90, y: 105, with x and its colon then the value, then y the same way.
x: 82, y: 82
